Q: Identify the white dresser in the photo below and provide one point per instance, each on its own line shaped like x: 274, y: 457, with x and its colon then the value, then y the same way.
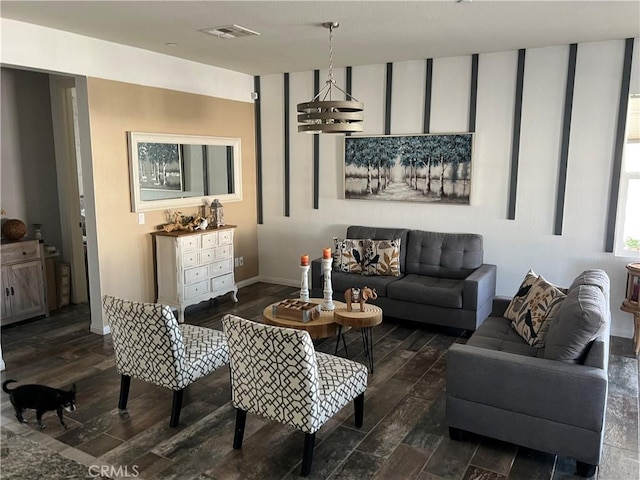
x: 191, y: 267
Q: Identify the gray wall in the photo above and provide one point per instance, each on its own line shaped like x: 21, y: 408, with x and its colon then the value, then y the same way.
x: 28, y: 168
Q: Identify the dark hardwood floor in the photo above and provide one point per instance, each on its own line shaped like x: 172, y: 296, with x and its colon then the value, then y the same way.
x: 403, y: 437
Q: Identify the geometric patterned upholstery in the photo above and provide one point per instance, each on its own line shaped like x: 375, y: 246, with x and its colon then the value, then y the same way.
x: 150, y: 345
x: 276, y: 373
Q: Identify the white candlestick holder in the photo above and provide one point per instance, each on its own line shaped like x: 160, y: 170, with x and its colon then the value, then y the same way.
x: 304, y: 283
x: 327, y: 302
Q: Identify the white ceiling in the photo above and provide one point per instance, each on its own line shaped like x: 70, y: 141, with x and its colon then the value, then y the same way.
x: 370, y: 32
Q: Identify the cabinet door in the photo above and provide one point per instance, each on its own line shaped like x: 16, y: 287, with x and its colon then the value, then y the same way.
x: 6, y: 305
x: 27, y: 291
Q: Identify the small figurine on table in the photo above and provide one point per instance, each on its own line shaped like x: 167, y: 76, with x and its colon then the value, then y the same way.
x: 359, y: 295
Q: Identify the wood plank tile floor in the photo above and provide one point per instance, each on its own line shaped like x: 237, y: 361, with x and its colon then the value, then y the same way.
x: 404, y: 435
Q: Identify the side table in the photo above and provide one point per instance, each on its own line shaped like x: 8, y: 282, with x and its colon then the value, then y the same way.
x: 322, y: 327
x: 365, y: 320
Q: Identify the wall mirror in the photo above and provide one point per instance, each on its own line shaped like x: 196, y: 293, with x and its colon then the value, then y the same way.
x: 176, y: 171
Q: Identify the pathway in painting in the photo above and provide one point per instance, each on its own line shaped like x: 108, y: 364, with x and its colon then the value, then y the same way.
x: 400, y: 191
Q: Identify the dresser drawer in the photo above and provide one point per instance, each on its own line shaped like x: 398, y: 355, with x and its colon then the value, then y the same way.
x: 196, y: 289
x: 220, y: 268
x: 225, y: 237
x: 225, y: 251
x: 191, y: 259
x: 190, y: 242
x: 207, y: 256
x: 220, y: 283
x: 193, y: 275
x: 20, y: 251
x: 210, y: 240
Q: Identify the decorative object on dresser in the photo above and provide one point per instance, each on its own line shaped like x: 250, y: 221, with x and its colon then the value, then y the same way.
x: 191, y: 267
x: 23, y: 288
x: 631, y: 302
x: 217, y: 213
x: 14, y: 229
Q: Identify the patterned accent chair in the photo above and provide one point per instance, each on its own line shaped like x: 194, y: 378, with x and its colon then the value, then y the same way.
x: 150, y: 345
x: 276, y: 373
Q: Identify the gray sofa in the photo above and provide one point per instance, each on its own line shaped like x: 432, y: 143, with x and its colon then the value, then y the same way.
x: 551, y: 399
x: 443, y: 278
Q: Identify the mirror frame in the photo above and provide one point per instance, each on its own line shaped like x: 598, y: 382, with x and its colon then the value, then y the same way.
x: 139, y: 205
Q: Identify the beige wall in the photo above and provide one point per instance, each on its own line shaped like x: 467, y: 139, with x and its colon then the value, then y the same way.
x: 124, y: 246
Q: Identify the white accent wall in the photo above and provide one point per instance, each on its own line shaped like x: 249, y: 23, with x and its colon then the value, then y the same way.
x: 514, y: 246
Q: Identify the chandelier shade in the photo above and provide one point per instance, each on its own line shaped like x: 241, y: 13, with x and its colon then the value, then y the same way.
x: 323, y: 114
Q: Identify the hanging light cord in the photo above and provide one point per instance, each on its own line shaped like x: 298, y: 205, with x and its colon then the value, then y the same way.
x: 330, y: 83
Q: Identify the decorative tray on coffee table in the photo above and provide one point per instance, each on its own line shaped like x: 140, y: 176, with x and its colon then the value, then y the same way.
x: 294, y: 309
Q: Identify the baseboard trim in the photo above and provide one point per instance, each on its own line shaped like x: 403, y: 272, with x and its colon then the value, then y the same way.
x: 279, y: 281
x: 100, y: 329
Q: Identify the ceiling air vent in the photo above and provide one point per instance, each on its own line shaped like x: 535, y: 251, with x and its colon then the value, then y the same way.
x: 229, y: 31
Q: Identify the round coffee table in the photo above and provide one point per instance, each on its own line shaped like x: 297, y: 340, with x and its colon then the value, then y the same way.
x: 365, y: 320
x: 322, y: 327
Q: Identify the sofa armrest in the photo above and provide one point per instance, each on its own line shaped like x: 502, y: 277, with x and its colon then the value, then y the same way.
x: 479, y: 287
x: 316, y: 273
x: 499, y: 306
x: 557, y: 391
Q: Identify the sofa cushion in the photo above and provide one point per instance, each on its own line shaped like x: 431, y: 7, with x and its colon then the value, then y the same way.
x: 445, y: 255
x: 343, y: 281
x: 539, y: 306
x: 382, y: 257
x: 348, y: 254
x: 439, y: 292
x: 376, y: 233
x: 579, y: 320
x: 513, y: 310
x: 496, y: 333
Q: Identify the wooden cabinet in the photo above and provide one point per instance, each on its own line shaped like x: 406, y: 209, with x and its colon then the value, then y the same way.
x: 191, y: 267
x: 23, y: 293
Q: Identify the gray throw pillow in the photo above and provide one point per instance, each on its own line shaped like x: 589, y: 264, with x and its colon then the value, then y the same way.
x: 579, y: 320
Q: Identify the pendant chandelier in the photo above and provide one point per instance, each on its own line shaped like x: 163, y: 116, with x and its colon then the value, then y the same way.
x: 323, y: 114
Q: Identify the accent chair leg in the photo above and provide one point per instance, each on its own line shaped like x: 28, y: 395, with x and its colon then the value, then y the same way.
x: 585, y: 469
x: 241, y: 418
x: 307, y: 455
x: 125, y: 383
x: 358, y: 404
x: 175, y: 408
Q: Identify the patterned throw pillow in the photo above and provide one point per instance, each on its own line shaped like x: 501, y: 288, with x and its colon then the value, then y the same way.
x: 348, y: 255
x: 517, y: 301
x: 538, y: 309
x: 382, y: 257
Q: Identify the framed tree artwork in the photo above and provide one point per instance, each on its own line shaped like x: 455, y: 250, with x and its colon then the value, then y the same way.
x: 429, y: 168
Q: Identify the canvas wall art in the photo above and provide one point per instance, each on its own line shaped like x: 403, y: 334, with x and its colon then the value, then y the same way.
x: 429, y: 168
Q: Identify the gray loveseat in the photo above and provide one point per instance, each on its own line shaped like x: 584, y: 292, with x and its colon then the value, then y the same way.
x: 551, y: 399
x: 443, y: 279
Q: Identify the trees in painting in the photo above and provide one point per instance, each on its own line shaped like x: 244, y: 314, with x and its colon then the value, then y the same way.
x: 423, y: 168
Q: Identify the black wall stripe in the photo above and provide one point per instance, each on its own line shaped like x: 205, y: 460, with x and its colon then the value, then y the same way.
x: 426, y: 121
x: 473, y: 95
x: 566, y: 135
x: 256, y: 87
x: 387, y: 113
x: 348, y: 74
x: 287, y: 153
x: 515, y: 142
x: 614, y: 190
x: 316, y: 149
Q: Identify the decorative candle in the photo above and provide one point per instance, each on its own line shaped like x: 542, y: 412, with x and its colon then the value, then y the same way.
x: 326, y: 252
x: 304, y: 260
